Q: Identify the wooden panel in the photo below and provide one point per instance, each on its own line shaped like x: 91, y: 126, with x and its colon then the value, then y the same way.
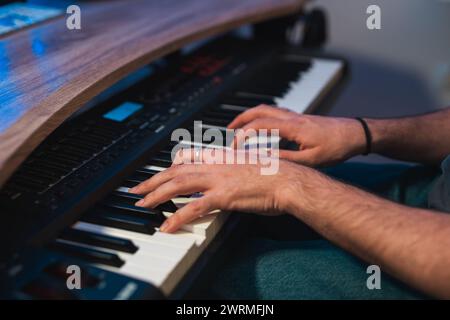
x: 48, y: 72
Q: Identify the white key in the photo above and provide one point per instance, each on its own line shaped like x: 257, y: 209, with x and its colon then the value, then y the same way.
x: 123, y: 189
x: 154, y: 261
x: 154, y: 255
x: 206, y: 226
x: 139, y: 265
x: 155, y: 168
x: 210, y: 126
x: 179, y: 239
x: 312, y: 84
x: 195, y: 144
x: 259, y: 140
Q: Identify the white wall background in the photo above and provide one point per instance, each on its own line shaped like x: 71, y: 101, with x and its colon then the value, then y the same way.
x: 401, y: 69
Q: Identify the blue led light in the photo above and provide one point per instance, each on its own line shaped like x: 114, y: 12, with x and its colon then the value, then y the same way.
x: 123, y: 111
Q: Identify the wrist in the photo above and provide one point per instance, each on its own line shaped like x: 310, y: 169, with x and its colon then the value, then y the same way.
x: 379, y: 129
x: 356, y: 138
x: 299, y: 190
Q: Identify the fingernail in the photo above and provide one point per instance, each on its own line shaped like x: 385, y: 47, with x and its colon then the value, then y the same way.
x: 133, y: 190
x: 165, y: 225
x: 139, y: 203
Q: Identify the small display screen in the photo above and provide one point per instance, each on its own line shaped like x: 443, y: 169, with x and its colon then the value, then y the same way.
x: 122, y: 112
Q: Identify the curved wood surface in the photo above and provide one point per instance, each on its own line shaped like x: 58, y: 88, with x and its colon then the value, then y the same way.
x: 48, y: 72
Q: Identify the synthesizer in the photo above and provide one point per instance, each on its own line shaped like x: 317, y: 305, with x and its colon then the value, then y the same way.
x: 68, y: 203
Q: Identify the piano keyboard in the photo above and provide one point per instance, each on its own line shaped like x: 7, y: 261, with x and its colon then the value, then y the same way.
x: 117, y: 238
x: 296, y: 83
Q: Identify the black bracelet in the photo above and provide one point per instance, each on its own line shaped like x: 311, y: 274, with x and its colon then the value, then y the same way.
x: 368, y: 136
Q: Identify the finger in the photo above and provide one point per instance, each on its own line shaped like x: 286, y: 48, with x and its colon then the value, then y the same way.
x: 286, y: 129
x: 181, y: 154
x: 180, y: 185
x: 204, y: 156
x: 306, y: 157
x: 261, y: 111
x: 188, y: 213
x: 158, y: 179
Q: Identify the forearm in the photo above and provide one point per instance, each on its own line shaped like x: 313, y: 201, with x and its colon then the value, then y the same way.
x: 423, y: 139
x: 411, y: 244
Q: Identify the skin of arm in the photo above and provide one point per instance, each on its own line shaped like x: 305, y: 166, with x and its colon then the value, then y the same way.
x: 424, y: 138
x: 409, y: 243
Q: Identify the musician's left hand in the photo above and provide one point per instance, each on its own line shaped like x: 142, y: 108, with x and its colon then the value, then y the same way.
x: 229, y: 187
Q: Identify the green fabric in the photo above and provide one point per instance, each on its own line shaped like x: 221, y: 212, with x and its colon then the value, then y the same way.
x: 281, y: 258
x: 269, y: 269
x: 401, y: 183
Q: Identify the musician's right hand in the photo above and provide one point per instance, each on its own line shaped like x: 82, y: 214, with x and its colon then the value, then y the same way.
x: 226, y: 186
x: 322, y: 140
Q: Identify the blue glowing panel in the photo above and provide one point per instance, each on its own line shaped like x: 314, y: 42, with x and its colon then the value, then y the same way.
x: 19, y: 15
x: 123, y: 111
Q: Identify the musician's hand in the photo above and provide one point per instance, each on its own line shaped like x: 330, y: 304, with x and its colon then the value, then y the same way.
x: 322, y: 140
x: 229, y: 187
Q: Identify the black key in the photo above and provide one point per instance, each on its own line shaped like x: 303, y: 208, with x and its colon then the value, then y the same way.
x: 139, y: 176
x: 255, y: 100
x: 120, y: 221
x: 99, y: 240
x: 238, y: 109
x: 220, y: 115
x: 205, y: 127
x: 249, y: 103
x: 151, y: 173
x: 168, y: 206
x: 265, y: 87
x: 164, y: 156
x: 88, y: 254
x: 130, y: 183
x: 214, y: 121
x: 166, y: 151
x: 222, y: 140
x: 167, y: 161
x: 129, y: 209
x: 299, y: 66
x: 230, y: 112
x: 159, y: 163
x: 126, y: 195
x: 253, y: 95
